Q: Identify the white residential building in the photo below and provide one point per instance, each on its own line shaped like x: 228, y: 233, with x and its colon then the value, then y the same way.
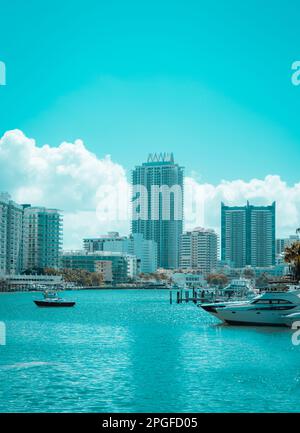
x: 188, y: 280
x: 104, y: 267
x: 42, y: 237
x: 199, y: 250
x: 132, y: 266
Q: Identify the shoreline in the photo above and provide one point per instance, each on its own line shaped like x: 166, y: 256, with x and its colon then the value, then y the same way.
x: 89, y: 288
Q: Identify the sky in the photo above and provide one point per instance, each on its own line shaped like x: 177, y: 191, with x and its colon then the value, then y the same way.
x: 209, y: 81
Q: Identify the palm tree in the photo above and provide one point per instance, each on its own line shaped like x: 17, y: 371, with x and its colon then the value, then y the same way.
x: 248, y: 273
x: 292, y: 256
x: 3, y: 284
x: 219, y: 280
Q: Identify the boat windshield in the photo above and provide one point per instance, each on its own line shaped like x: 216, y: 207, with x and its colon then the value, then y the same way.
x: 50, y: 295
x: 271, y: 301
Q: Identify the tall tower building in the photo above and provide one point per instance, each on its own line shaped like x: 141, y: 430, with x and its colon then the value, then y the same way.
x: 157, y: 200
x: 3, y: 233
x: 42, y: 237
x: 14, y: 262
x: 248, y: 235
x: 234, y: 235
x: 199, y: 250
x: 262, y: 236
x: 11, y: 216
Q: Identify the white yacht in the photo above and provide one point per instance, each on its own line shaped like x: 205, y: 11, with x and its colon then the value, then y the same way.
x: 272, y: 308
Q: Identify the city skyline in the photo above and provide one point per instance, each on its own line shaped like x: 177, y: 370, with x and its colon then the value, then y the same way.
x: 32, y: 236
x: 70, y: 177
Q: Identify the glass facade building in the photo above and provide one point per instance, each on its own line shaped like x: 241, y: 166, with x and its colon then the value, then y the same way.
x: 157, y: 206
x: 248, y: 235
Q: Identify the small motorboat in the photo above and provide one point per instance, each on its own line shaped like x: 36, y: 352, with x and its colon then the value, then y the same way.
x: 52, y: 300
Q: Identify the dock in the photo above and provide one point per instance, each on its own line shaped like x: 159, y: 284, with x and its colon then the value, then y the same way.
x: 191, y: 295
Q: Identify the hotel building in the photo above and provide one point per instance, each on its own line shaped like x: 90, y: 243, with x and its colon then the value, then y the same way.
x: 199, y: 250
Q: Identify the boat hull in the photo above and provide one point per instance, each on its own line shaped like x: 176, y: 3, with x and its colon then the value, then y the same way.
x: 54, y: 303
x: 272, y: 308
x: 237, y: 323
x: 248, y: 317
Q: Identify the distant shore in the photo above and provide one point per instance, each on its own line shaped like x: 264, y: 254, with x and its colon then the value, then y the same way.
x: 117, y: 287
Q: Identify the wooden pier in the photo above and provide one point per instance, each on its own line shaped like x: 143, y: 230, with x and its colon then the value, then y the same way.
x: 191, y: 295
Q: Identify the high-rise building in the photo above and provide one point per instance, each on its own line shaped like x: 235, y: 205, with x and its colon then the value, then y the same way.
x: 280, y: 246
x: 234, y: 235
x: 3, y: 232
x: 199, y: 250
x: 10, y: 235
x: 248, y: 235
x: 283, y: 243
x: 15, y: 238
x: 30, y: 237
x: 42, y: 237
x: 157, y: 211
x: 145, y: 250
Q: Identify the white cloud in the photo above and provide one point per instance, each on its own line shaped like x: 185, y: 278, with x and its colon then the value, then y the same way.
x: 65, y: 177
x: 75, y: 180
x: 237, y: 192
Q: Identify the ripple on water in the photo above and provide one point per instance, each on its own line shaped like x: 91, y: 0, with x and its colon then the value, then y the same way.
x: 131, y: 351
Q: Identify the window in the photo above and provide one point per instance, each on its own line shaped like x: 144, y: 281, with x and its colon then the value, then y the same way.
x: 280, y: 301
x: 271, y: 301
x: 262, y: 301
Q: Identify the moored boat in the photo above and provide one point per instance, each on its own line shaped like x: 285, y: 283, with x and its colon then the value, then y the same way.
x: 272, y: 308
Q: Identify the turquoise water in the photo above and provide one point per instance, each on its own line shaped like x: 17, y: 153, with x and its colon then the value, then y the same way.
x: 130, y: 351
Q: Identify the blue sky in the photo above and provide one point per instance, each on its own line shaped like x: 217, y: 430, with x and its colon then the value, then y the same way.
x: 209, y: 81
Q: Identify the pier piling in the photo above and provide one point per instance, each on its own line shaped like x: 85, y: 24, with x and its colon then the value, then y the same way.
x: 185, y: 296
